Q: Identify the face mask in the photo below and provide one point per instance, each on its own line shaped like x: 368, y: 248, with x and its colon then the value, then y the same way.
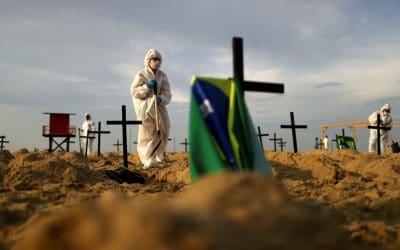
x: 155, y: 64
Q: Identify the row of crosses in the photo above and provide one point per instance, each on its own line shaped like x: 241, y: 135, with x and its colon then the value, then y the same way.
x: 238, y: 74
x: 280, y: 141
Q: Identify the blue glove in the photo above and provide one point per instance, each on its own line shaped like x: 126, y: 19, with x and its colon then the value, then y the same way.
x: 150, y: 84
x: 159, y: 100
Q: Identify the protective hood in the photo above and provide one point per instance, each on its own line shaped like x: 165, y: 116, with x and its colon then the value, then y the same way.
x: 386, y: 106
x: 152, y: 53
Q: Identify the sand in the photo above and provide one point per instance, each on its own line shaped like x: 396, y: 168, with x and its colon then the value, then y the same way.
x: 317, y: 200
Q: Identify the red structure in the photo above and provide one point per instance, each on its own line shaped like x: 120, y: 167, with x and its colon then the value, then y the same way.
x: 59, y: 128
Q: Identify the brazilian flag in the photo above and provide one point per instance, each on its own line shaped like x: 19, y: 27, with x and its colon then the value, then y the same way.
x: 222, y: 136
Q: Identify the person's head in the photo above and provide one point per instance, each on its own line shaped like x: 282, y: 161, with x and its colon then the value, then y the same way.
x: 153, y: 59
x: 385, y: 110
x: 87, y: 116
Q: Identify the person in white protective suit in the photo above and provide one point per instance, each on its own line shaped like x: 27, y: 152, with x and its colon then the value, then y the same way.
x: 386, y: 121
x: 151, y: 145
x: 326, y: 143
x: 88, y: 125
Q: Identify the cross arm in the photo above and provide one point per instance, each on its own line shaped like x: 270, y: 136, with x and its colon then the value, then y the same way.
x: 120, y: 122
x: 264, y: 87
x: 133, y: 122
x: 297, y: 126
x: 381, y: 128
x: 99, y: 132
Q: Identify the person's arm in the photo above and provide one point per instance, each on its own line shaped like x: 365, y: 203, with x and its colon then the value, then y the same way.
x: 387, y: 121
x: 165, y: 91
x: 84, y: 126
x: 139, y: 88
x: 372, y: 118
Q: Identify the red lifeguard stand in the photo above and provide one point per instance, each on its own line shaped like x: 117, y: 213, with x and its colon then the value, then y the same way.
x: 59, y: 128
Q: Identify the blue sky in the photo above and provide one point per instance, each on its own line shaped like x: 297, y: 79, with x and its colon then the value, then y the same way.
x: 339, y: 60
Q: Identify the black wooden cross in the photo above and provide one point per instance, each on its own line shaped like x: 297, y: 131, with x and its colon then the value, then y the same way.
x: 87, y: 137
x: 260, y: 135
x: 293, y: 126
x: 238, y: 72
x: 378, y: 127
x: 124, y: 122
x: 118, y: 144
x: 98, y: 133
x: 281, y: 143
x: 2, y: 142
x: 186, y: 143
x: 275, y: 140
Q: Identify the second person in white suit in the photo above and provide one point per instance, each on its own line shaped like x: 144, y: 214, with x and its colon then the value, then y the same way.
x: 386, y: 121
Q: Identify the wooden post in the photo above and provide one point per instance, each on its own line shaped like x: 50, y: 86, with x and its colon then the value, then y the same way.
x: 260, y: 135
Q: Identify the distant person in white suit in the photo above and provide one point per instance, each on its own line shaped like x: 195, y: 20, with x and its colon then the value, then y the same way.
x: 88, y: 125
x: 326, y: 143
x: 386, y: 121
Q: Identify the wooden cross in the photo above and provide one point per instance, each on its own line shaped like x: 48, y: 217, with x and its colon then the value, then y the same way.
x: 378, y: 127
x: 260, y: 136
x: 293, y: 126
x: 238, y: 72
x: 118, y: 144
x: 186, y: 143
x: 275, y: 140
x: 99, y: 132
x: 124, y: 122
x: 281, y: 143
x: 2, y: 142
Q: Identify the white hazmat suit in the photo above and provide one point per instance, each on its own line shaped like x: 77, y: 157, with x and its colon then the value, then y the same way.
x: 88, y: 125
x: 386, y: 121
x: 150, y: 146
x: 326, y: 143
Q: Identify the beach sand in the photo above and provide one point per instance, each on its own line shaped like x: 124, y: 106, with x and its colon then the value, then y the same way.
x: 317, y: 200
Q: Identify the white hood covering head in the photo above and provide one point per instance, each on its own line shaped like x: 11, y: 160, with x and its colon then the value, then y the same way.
x: 152, y: 53
x: 386, y: 106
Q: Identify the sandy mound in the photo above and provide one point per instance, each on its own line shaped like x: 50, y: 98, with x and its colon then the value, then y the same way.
x: 229, y: 211
x: 5, y: 156
x: 174, y: 170
x: 35, y: 185
x: 360, y: 189
x: 32, y: 170
x: 22, y: 151
x: 317, y: 197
